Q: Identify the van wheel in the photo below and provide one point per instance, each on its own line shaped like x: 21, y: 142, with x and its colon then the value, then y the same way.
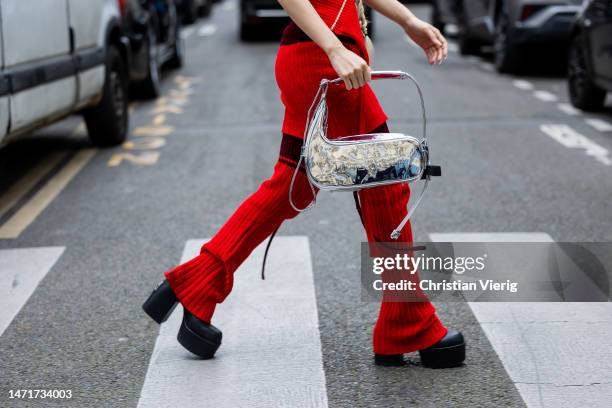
x: 584, y: 94
x: 247, y: 32
x: 507, y: 54
x: 206, y: 8
x: 190, y: 11
x: 148, y: 88
x: 436, y: 19
x: 178, y: 52
x: 467, y: 46
x: 107, y: 122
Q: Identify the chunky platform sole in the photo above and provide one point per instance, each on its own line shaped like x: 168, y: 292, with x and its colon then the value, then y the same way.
x: 161, y: 303
x: 389, y: 360
x: 446, y: 353
x: 198, y: 345
x: 446, y: 357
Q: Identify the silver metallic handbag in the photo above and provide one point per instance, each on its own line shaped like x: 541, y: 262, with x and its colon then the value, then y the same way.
x: 356, y: 162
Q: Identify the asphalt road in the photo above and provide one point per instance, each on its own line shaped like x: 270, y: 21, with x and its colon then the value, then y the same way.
x: 125, y: 216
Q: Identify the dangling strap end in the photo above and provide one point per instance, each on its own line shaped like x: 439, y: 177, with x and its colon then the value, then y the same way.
x: 395, y: 234
x: 397, y: 231
x: 263, y: 264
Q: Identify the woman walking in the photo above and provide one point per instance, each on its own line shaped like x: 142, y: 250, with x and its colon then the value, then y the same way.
x: 326, y: 39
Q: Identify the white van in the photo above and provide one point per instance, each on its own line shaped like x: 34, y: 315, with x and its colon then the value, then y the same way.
x: 60, y: 57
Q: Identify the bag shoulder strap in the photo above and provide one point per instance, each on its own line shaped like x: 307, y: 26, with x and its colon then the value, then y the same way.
x: 338, y: 16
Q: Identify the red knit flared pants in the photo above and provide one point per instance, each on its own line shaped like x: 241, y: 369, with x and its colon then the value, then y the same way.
x: 203, y: 282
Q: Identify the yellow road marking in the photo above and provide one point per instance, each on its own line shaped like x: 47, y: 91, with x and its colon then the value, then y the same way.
x: 180, y: 79
x: 132, y: 107
x: 183, y: 79
x: 175, y: 93
x: 166, y: 109
x: 153, y: 131
x: 144, y: 159
x: 36, y: 205
x: 159, y: 120
x: 180, y: 102
x: 23, y: 185
x: 145, y: 143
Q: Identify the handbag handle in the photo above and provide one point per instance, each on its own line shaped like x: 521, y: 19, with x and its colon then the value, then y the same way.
x: 378, y: 75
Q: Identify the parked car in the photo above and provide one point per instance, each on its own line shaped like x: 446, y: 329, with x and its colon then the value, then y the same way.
x: 590, y: 56
x: 153, y: 30
x: 190, y: 10
x: 62, y: 57
x: 508, y: 25
x: 258, y: 15
x: 444, y: 12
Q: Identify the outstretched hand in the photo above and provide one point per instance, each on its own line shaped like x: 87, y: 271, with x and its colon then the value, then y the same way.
x: 429, y: 38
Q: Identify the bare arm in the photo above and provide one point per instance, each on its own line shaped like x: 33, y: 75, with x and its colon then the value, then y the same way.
x: 349, y: 66
x: 425, y: 35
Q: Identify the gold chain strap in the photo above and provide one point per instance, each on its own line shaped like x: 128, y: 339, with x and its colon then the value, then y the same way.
x: 363, y: 22
x: 338, y: 16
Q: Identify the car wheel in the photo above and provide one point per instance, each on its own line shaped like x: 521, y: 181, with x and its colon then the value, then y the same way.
x: 190, y: 11
x: 507, y: 55
x: 436, y: 20
x: 584, y: 94
x: 149, y: 87
x: 107, y: 122
x: 247, y: 32
x: 178, y: 52
x: 467, y: 44
x: 205, y: 8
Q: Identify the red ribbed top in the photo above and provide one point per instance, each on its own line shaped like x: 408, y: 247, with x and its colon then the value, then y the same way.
x: 301, y: 66
x: 348, y: 21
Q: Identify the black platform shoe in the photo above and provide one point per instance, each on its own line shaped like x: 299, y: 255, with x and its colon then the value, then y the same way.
x: 448, y: 352
x: 200, y: 338
x: 161, y: 303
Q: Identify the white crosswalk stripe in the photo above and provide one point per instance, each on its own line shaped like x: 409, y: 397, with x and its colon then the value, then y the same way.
x: 487, y: 66
x: 207, y: 29
x: 21, y: 270
x: 271, y: 351
x: 523, y: 85
x: 568, y: 109
x: 187, y: 32
x: 545, y: 96
x: 599, y: 124
x: 557, y: 354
